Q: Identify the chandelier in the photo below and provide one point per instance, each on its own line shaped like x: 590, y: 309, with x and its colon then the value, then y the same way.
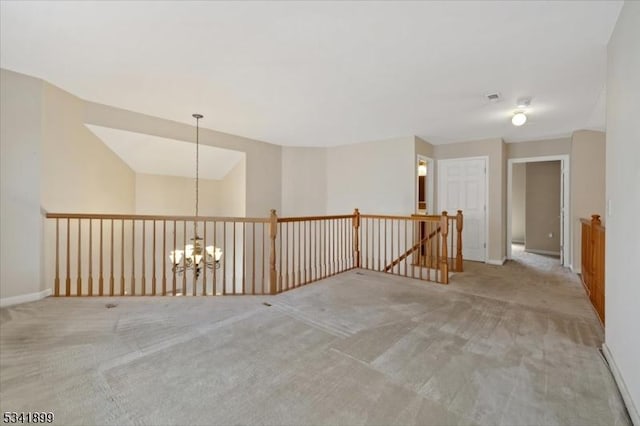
x: 193, y: 257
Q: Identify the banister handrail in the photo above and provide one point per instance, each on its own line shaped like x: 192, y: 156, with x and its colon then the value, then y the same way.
x: 412, y: 249
x: 311, y: 218
x: 109, y: 216
x: 417, y: 218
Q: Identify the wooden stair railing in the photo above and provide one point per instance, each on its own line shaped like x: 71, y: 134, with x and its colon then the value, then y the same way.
x: 145, y: 255
x: 412, y: 250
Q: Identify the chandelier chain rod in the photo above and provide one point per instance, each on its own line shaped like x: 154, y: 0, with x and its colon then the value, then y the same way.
x: 197, y: 160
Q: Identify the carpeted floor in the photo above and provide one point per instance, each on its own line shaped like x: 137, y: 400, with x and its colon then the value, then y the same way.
x: 511, y: 345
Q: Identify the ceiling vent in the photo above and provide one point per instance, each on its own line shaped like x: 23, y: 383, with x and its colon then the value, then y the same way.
x: 493, y: 96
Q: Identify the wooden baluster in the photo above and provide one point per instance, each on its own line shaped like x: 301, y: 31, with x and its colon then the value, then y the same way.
x: 233, y: 273
x: 56, y: 281
x: 303, y: 225
x: 309, y: 240
x: 263, y: 263
x: 224, y: 263
x: 68, y: 278
x: 164, y: 257
x: 122, y: 283
x: 428, y: 248
x: 343, y: 239
x: 323, y: 248
x: 286, y: 260
x: 204, y: 256
x: 416, y: 238
x: 101, y: 276
x: 398, y: 246
x: 450, y: 260
x: 253, y: 259
x: 366, y: 243
x: 111, y: 270
x: 273, y: 273
x: 379, y: 246
x: 421, y: 255
x: 406, y: 245
x: 391, y: 247
x: 133, y: 257
x: 244, y: 257
x: 337, y: 246
x: 314, y: 254
x: 196, y: 265
x: 143, y: 281
x: 90, y: 268
x: 300, y: 261
x: 79, y: 280
x: 174, y: 264
x: 184, y: 258
x: 459, y: 221
x: 282, y: 274
x: 153, y: 261
x: 444, y: 268
x: 215, y: 266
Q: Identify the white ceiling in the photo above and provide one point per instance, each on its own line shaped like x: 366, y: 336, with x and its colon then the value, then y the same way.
x: 161, y: 156
x: 326, y: 73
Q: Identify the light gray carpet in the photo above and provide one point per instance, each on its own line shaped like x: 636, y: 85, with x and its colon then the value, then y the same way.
x: 512, y: 345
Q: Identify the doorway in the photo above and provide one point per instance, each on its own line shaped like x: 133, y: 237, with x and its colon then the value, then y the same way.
x: 424, y: 185
x: 537, y: 206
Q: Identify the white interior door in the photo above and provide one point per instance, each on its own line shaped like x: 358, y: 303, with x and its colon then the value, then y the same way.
x: 462, y: 186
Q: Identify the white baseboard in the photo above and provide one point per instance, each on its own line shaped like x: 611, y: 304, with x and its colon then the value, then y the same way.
x: 549, y: 252
x: 624, y: 391
x: 496, y: 262
x: 24, y: 298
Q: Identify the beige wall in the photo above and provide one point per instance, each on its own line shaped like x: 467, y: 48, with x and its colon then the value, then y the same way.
x: 233, y: 198
x: 21, y: 154
x: 622, y: 295
x: 588, y: 184
x: 304, y: 181
x: 263, y: 160
x: 376, y: 177
x: 494, y: 149
x: 80, y: 174
x: 518, y: 202
x: 423, y: 147
x: 543, y: 207
x: 175, y: 196
x: 540, y: 148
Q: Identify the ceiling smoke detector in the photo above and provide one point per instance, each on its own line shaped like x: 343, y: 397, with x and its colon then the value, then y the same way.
x: 493, y: 96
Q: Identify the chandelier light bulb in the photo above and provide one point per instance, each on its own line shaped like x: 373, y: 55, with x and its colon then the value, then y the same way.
x: 518, y: 119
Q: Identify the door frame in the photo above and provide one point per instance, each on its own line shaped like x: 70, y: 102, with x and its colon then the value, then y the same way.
x: 430, y: 186
x: 486, y: 196
x: 565, y: 177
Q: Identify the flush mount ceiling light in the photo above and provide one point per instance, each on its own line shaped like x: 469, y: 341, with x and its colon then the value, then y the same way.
x: 519, y: 118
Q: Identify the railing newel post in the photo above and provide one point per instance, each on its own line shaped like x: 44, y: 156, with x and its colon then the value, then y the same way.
x: 356, y: 238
